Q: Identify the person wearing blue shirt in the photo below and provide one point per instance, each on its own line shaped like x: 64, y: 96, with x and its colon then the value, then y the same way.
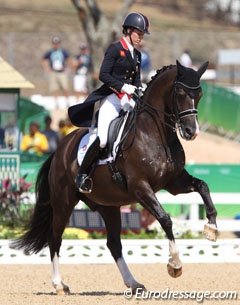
x: 55, y: 63
x: 82, y: 64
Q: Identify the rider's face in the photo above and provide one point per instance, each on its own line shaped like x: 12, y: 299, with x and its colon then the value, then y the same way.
x: 136, y: 37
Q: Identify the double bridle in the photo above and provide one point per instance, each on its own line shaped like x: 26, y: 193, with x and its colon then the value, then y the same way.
x: 178, y: 115
x: 188, y: 90
x: 175, y: 119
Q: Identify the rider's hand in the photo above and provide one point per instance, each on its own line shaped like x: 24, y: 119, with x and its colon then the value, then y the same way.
x: 127, y: 104
x: 129, y: 89
x: 138, y: 93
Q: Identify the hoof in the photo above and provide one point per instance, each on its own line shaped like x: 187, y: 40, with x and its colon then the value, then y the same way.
x: 210, y: 232
x: 64, y: 291
x: 134, y: 290
x: 173, y: 272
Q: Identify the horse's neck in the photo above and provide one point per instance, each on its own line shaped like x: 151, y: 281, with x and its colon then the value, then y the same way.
x: 158, y: 103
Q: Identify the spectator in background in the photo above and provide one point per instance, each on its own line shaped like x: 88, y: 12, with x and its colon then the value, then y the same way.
x: 66, y: 127
x: 2, y: 138
x: 11, y: 135
x: 69, y: 127
x: 185, y: 59
x: 53, y: 136
x: 62, y: 127
x: 145, y: 63
x: 55, y: 63
x: 35, y: 142
x: 81, y: 64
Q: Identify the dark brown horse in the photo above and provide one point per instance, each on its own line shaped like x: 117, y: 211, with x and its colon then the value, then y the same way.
x: 153, y: 160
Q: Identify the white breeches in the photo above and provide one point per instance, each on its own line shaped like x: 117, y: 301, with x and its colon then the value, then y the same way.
x: 110, y: 107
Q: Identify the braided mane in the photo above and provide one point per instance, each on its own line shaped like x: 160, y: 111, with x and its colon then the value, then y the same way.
x: 159, y: 72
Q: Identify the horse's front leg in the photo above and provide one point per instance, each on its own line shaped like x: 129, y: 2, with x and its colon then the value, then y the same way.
x: 148, y: 200
x: 210, y: 230
x: 112, y: 218
x: 186, y: 184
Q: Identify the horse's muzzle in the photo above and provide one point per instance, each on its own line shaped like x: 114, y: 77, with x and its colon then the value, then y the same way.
x: 189, y: 133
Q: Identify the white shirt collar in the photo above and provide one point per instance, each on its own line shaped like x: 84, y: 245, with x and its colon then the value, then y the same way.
x: 130, y: 47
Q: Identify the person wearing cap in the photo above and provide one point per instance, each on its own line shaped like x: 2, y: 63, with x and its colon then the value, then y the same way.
x: 55, y: 63
x: 81, y: 64
x: 120, y: 74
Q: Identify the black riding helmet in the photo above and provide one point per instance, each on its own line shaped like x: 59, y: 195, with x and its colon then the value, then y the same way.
x: 137, y: 21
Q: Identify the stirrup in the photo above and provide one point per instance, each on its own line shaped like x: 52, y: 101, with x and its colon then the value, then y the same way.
x: 86, y: 185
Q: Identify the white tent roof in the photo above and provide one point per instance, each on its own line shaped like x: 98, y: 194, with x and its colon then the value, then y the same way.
x: 11, y: 78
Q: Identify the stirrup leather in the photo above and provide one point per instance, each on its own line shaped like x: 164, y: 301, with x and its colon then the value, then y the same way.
x: 86, y: 185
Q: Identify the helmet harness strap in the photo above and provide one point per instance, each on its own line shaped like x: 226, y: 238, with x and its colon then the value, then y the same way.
x: 130, y: 35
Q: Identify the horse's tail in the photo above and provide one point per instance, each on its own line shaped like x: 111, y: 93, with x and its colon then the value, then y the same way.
x: 39, y: 228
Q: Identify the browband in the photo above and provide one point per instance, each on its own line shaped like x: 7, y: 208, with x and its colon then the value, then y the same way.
x: 186, y: 86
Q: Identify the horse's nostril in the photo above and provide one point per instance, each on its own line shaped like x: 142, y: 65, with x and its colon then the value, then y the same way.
x: 189, y: 131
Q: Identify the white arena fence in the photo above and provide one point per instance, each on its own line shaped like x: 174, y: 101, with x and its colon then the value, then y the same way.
x: 150, y: 250
x: 195, y: 200
x: 141, y: 251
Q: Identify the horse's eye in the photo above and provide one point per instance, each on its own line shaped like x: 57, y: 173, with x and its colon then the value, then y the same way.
x: 181, y: 92
x: 195, y: 94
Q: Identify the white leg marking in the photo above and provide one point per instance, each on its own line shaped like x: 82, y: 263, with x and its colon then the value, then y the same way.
x: 174, y: 260
x: 56, y: 277
x: 126, y: 274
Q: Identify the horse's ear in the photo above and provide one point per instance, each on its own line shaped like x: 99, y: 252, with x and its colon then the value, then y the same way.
x: 202, y: 69
x: 180, y: 68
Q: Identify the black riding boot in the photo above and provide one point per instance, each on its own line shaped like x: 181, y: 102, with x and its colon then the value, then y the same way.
x: 83, y: 179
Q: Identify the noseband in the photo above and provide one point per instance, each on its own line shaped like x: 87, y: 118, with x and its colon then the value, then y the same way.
x: 175, y: 118
x: 188, y: 90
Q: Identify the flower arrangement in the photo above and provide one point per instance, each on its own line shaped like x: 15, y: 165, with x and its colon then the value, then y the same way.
x: 10, y: 200
x: 180, y: 230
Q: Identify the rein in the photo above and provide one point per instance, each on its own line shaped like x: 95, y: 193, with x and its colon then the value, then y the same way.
x: 174, y: 118
x: 131, y: 124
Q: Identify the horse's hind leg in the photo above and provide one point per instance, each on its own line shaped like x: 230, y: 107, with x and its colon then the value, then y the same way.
x: 54, y: 246
x: 112, y: 218
x: 57, y: 282
x: 60, y: 219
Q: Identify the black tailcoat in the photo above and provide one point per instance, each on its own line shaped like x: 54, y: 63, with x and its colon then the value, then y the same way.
x: 118, y: 68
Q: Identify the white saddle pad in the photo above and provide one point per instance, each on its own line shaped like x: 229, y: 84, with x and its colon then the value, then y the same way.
x: 89, y: 138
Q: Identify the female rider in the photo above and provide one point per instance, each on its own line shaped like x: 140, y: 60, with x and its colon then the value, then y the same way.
x: 120, y: 73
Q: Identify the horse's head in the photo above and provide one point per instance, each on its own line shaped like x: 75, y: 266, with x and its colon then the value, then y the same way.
x: 187, y: 93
